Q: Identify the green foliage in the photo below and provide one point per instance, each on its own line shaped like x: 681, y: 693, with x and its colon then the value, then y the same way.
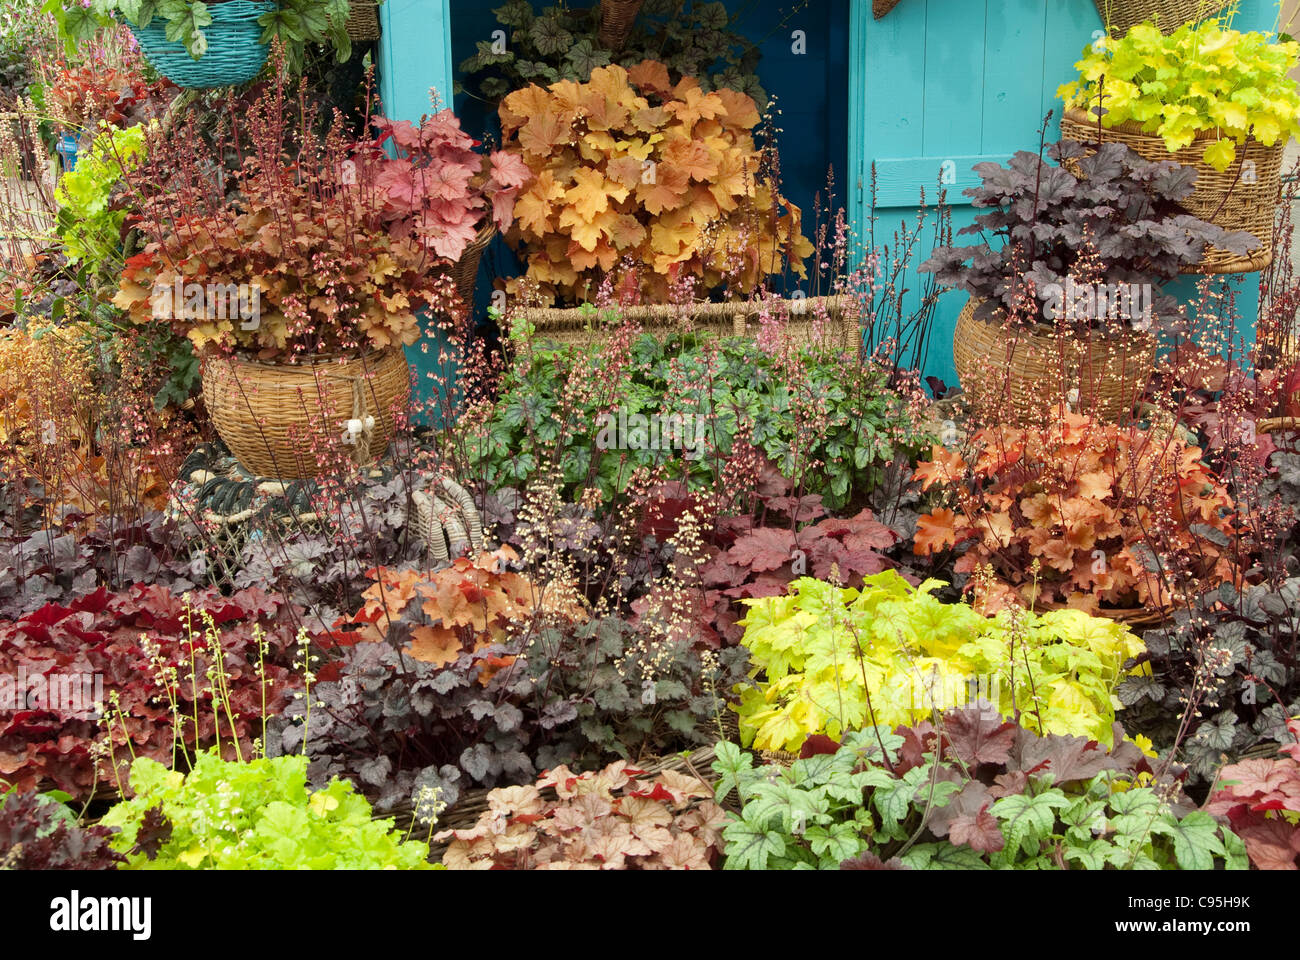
x: 995, y: 797
x: 1199, y: 78
x: 838, y: 659
x: 608, y: 688
x: 829, y: 422
x: 562, y: 42
x: 294, y: 22
x: 253, y: 815
x: 90, y: 223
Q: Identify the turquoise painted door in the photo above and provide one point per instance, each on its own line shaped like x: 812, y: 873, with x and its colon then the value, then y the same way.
x: 939, y: 85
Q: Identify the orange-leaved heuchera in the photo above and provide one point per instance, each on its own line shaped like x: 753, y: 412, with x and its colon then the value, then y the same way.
x: 650, y: 181
x: 469, y: 605
x: 1082, y: 513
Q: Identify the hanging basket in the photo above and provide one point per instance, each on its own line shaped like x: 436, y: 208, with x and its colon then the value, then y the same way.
x: 1120, y: 16
x: 363, y: 21
x: 826, y: 321
x: 1019, y: 376
x: 881, y: 7
x: 464, y: 272
x: 1243, y: 197
x: 616, y: 19
x: 273, y: 417
x: 235, y: 53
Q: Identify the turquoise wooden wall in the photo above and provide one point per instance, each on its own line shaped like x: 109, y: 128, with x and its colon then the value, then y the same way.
x: 932, y: 81
x: 961, y: 81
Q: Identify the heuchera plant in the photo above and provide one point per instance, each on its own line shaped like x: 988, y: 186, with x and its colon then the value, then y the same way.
x: 341, y: 242
x: 632, y: 167
x: 159, y: 657
x: 829, y: 422
x: 252, y: 815
x: 37, y: 832
x: 469, y: 605
x: 1082, y: 513
x: 974, y: 793
x: 694, y: 39
x: 1261, y: 799
x: 618, y: 818
x: 1106, y: 218
x: 1201, y: 78
x: 837, y: 659
x: 1225, y: 676
x: 436, y: 187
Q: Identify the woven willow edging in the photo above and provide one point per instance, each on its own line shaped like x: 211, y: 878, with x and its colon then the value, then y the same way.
x: 1120, y: 16
x: 1017, y: 376
x: 826, y: 321
x: 235, y: 53
x: 271, y: 415
x: 1232, y: 199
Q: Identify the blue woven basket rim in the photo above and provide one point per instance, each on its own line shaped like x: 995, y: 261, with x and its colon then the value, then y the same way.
x: 232, y: 11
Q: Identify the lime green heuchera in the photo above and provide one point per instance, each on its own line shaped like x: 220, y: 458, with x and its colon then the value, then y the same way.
x: 822, y: 648
x: 91, y: 229
x: 1199, y: 78
x: 253, y: 815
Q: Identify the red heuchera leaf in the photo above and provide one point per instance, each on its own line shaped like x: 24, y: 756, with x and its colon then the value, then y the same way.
x: 816, y: 744
x: 979, y: 734
x: 764, y: 549
x: 101, y: 634
x: 1066, y: 758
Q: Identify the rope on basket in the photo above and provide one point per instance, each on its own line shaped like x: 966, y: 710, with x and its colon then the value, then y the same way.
x: 361, y: 428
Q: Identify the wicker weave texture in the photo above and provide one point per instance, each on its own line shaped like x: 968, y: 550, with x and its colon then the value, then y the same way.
x: 826, y: 321
x: 1243, y: 197
x: 1122, y: 15
x: 616, y: 19
x: 234, y: 55
x: 270, y: 415
x: 1018, y: 377
x: 881, y: 7
x: 464, y: 272
x: 363, y: 20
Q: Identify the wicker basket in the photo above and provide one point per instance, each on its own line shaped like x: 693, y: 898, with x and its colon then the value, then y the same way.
x: 464, y: 272
x: 881, y: 7
x: 1018, y: 376
x: 235, y: 53
x: 271, y: 415
x: 826, y: 321
x: 1221, y: 198
x: 363, y: 20
x: 616, y: 19
x: 1120, y: 16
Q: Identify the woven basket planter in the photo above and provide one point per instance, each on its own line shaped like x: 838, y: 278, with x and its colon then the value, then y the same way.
x: 826, y: 321
x: 272, y: 415
x: 881, y: 7
x: 363, y: 20
x: 1018, y: 376
x: 1120, y: 16
x: 616, y: 19
x: 234, y: 56
x: 464, y: 272
x: 1230, y: 199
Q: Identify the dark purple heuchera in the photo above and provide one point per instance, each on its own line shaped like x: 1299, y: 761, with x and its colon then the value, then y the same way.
x: 38, y: 833
x: 1119, y: 221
